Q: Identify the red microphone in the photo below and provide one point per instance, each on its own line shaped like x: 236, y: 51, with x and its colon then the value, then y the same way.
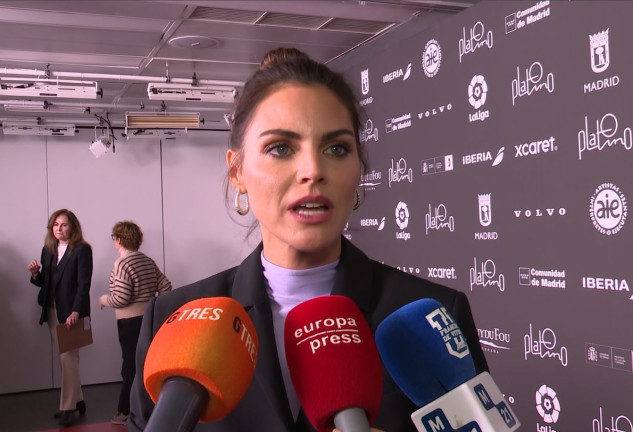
x: 334, y: 364
x: 199, y: 364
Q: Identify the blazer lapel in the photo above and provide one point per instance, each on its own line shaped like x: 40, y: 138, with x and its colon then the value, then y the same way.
x: 249, y: 289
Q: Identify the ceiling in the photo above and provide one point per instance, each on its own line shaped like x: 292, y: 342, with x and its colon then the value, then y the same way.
x: 125, y: 45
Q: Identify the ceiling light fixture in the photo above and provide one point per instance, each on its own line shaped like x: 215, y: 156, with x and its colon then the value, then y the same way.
x: 9, y: 128
x: 185, y: 92
x: 155, y: 133
x: 43, y: 106
x: 44, y: 87
x: 153, y: 120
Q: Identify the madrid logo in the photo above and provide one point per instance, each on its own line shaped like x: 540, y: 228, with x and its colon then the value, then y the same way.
x: 608, y: 209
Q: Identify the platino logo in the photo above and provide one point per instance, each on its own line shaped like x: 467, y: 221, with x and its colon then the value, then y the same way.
x: 431, y: 58
x: 370, y: 132
x: 544, y: 346
x: 478, y: 37
x: 398, y: 172
x: 486, y: 275
x: 437, y: 218
x: 605, y: 135
x: 547, y: 404
x: 608, y: 209
x: 533, y: 80
x: 620, y: 423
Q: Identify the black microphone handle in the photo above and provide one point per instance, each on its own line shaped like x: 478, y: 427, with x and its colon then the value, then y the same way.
x: 179, y: 406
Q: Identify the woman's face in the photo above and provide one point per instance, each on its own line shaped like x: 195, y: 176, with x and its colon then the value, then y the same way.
x: 61, y: 228
x: 300, y: 169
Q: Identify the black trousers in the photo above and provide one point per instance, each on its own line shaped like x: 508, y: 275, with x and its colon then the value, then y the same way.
x: 129, y: 329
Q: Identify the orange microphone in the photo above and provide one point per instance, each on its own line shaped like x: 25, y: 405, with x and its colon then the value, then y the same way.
x: 199, y: 364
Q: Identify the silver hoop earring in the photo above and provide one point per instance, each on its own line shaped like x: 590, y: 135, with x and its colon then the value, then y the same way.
x: 357, y: 203
x: 241, y: 211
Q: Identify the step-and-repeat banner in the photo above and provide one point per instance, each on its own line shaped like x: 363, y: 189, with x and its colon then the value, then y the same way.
x: 501, y: 158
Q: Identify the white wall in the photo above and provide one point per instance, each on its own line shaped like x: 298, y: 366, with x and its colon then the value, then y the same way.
x: 172, y: 189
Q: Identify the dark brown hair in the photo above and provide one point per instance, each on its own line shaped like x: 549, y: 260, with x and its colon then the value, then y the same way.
x: 288, y: 66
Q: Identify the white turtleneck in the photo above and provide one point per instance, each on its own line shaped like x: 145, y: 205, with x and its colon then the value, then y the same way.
x: 286, y: 289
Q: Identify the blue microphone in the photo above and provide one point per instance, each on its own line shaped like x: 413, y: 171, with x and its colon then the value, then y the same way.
x: 427, y: 355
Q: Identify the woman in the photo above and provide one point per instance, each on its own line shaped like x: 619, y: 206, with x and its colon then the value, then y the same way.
x: 64, y: 280
x: 135, y: 280
x: 295, y: 162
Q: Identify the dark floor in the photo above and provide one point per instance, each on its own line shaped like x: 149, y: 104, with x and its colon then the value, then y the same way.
x: 33, y: 411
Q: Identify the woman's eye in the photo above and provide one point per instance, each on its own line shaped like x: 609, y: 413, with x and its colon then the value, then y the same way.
x: 338, y: 150
x: 280, y: 150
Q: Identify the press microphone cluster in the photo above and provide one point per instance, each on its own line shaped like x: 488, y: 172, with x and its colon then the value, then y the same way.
x: 199, y: 364
x: 334, y: 364
x: 427, y: 356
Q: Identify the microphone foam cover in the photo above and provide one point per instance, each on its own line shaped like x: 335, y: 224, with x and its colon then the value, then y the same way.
x: 424, y: 350
x: 211, y: 341
x: 332, y: 359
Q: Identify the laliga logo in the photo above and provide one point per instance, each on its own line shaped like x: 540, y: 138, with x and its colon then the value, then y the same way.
x: 452, y: 335
x: 402, y: 215
x: 548, y: 406
x: 608, y: 209
x: 477, y: 90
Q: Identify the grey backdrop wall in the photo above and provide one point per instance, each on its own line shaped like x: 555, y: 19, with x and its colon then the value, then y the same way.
x: 172, y: 189
x: 500, y: 145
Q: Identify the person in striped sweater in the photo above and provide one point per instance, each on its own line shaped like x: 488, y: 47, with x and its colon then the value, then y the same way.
x: 135, y: 279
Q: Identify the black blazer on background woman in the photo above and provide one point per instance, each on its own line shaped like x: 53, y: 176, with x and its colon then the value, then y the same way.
x: 376, y: 288
x: 68, y: 283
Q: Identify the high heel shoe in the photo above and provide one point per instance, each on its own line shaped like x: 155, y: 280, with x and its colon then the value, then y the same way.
x: 67, y: 418
x: 81, y: 407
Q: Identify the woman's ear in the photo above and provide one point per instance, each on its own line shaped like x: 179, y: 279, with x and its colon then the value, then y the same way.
x: 234, y: 170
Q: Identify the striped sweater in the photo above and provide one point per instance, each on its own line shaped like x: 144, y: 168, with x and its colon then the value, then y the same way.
x: 135, y: 279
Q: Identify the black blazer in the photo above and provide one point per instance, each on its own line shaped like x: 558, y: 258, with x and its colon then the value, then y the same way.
x: 376, y: 288
x: 67, y: 282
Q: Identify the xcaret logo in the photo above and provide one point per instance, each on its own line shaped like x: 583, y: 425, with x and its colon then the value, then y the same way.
x: 431, y: 58
x: 547, y: 406
x: 608, y: 209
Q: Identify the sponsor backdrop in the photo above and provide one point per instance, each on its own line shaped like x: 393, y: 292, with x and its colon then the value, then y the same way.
x: 500, y: 144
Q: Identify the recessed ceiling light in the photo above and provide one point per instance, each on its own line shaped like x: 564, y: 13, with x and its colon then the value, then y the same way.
x: 193, y: 42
